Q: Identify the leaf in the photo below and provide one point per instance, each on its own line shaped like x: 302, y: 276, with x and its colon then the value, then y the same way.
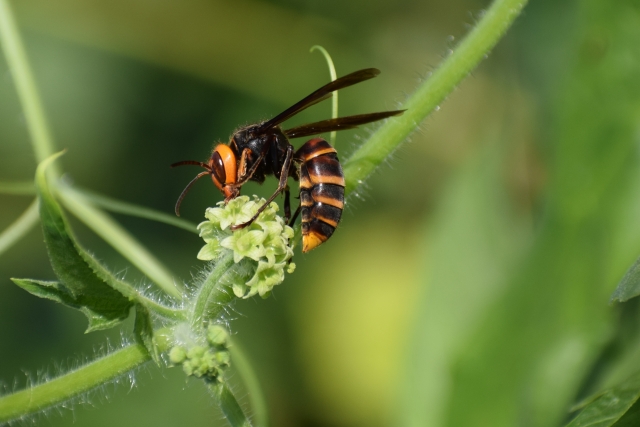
x: 629, y: 286
x: 88, y: 285
x: 526, y: 358
x: 609, y: 408
x: 143, y: 332
x: 99, y: 317
x: 631, y: 418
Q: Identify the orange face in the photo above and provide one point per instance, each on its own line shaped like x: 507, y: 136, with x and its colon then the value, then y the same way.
x: 224, y: 171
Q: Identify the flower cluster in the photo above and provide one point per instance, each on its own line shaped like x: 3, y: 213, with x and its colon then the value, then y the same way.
x: 263, y: 249
x: 206, y: 361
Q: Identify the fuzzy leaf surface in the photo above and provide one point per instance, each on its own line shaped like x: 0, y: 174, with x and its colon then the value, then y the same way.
x: 83, y: 278
x: 56, y: 291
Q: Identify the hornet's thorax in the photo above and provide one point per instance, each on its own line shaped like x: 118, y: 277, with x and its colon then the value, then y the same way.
x: 262, y: 149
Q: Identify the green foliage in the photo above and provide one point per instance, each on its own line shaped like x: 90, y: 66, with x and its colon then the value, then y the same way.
x: 85, y: 284
x: 513, y: 326
x: 629, y: 286
x: 613, y: 407
x: 144, y: 333
x: 106, y: 300
x: 532, y: 321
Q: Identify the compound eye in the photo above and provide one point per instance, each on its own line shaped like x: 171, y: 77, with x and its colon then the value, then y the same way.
x: 223, y: 167
x: 217, y: 167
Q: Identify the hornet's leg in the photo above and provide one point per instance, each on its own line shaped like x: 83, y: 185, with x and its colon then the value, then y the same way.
x: 243, y: 162
x: 287, y: 205
x: 282, y: 184
x: 295, y: 216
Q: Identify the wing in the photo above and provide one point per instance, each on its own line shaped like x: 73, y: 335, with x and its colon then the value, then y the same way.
x: 341, y: 123
x: 320, y: 95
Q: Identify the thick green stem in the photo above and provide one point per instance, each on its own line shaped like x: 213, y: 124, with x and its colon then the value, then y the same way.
x: 25, y: 84
x: 229, y: 405
x: 21, y: 226
x: 213, y: 295
x: 478, y: 43
x: 72, y: 384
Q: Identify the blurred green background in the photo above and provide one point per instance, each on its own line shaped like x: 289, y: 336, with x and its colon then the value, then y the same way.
x: 469, y: 281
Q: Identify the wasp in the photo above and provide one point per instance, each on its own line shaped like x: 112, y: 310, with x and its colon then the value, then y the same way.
x: 262, y: 149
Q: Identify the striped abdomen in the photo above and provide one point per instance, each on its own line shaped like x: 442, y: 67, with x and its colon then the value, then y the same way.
x: 321, y: 191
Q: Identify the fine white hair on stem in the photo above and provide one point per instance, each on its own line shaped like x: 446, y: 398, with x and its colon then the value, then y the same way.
x: 92, y: 398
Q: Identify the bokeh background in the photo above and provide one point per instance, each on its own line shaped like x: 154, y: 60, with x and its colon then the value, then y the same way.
x: 468, y: 283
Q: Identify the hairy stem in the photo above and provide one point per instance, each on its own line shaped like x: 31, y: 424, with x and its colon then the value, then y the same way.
x: 229, y: 405
x: 160, y: 309
x: 72, y: 384
x: 213, y: 295
x: 475, y: 46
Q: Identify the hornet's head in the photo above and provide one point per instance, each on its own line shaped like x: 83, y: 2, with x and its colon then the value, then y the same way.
x: 223, y: 168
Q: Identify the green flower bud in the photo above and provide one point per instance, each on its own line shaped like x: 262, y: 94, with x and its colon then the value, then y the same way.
x: 217, y: 335
x: 207, y: 361
x: 291, y: 267
x: 223, y: 358
x: 177, y: 355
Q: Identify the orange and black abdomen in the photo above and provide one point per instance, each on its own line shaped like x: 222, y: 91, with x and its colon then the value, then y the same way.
x: 321, y: 191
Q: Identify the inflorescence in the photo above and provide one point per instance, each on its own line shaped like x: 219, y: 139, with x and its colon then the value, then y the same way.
x: 264, y: 248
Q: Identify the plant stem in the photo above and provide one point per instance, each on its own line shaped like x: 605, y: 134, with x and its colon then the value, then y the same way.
x: 25, y: 84
x: 72, y: 384
x: 103, y: 225
x: 18, y: 228
x: 475, y: 46
x: 213, y: 295
x: 161, y: 310
x: 229, y: 405
x: 250, y: 379
x: 118, y: 206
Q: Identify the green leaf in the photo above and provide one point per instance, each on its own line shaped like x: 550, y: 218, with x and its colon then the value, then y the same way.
x: 103, y: 316
x: 608, y: 408
x: 629, y: 286
x: 631, y: 418
x: 85, y: 281
x: 143, y: 332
